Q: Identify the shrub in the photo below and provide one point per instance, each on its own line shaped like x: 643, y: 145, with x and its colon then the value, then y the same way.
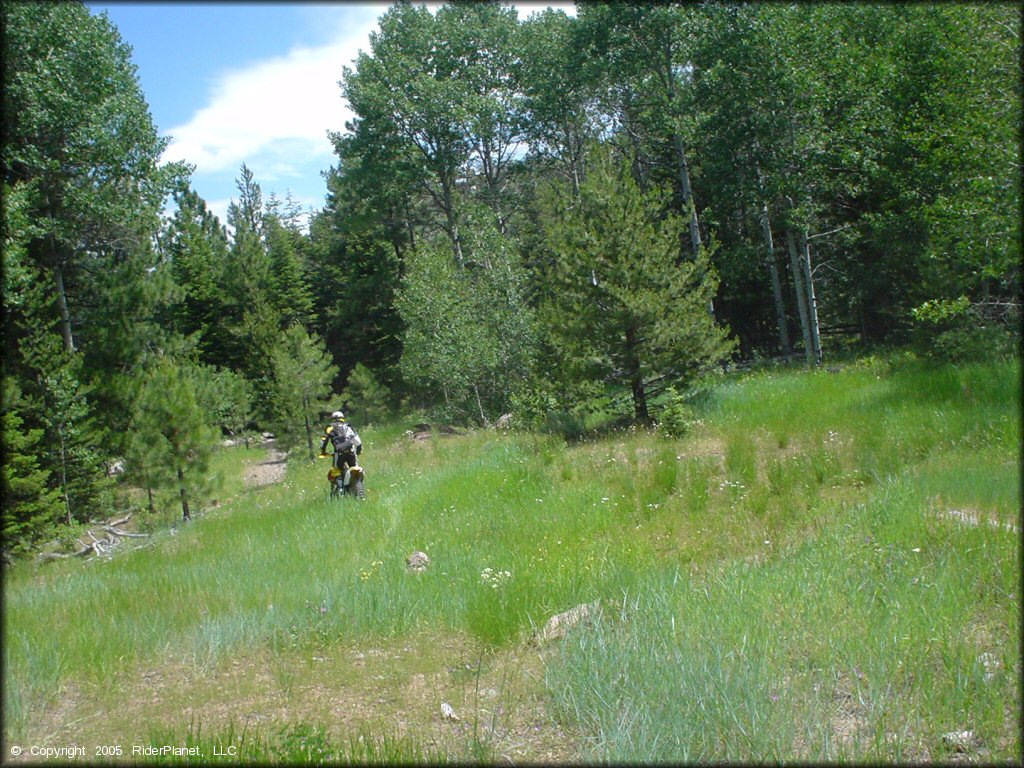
x: 532, y: 402
x: 677, y: 418
x: 956, y: 330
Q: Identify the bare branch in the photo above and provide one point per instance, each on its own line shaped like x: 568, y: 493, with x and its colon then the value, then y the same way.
x: 125, y: 534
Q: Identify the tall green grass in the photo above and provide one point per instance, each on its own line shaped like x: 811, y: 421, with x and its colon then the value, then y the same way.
x: 767, y: 557
x: 891, y: 626
x: 865, y: 642
x: 289, y: 567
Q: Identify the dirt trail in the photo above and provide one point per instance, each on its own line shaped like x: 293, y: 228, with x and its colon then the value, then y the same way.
x: 271, y: 470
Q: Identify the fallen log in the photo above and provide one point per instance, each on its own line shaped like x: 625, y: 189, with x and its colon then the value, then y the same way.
x: 124, y: 534
x: 98, y: 546
x: 46, y: 557
x: 119, y: 521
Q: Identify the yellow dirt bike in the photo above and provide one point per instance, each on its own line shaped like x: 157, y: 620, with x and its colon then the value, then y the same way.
x: 347, y: 482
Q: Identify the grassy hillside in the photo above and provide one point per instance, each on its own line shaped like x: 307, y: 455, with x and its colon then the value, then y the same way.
x: 823, y: 568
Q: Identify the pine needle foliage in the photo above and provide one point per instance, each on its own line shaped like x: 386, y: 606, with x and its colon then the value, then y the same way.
x: 302, y: 375
x: 171, y: 436
x: 31, y: 505
x: 366, y: 399
x: 623, y: 305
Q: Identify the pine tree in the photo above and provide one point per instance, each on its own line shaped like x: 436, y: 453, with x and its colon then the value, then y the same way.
x: 302, y: 375
x: 82, y: 194
x: 73, y: 433
x: 252, y: 319
x: 80, y: 142
x: 356, y: 247
x: 197, y: 246
x: 31, y: 505
x: 233, y: 407
x: 622, y: 305
x: 171, y: 434
x: 247, y: 214
x: 366, y: 399
x: 289, y: 293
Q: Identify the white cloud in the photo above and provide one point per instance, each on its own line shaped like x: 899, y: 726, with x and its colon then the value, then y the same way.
x: 279, y: 109
x: 274, y: 115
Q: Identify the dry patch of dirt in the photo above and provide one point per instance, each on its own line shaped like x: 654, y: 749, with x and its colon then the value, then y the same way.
x: 269, y: 471
x: 703, y: 447
x: 396, y: 689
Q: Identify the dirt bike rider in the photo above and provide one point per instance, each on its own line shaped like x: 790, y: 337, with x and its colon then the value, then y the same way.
x: 346, y: 442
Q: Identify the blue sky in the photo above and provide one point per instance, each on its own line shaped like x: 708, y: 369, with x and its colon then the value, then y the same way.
x: 253, y: 83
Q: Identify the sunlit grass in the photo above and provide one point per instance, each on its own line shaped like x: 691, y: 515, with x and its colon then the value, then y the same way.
x: 888, y: 626
x: 868, y: 641
x: 249, y: 574
x: 768, y: 557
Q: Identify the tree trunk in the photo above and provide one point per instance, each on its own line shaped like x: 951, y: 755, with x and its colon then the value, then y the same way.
x: 684, y: 170
x: 683, y: 166
x: 691, y: 206
x: 410, y: 229
x: 636, y: 379
x: 149, y: 496
x: 684, y: 183
x: 801, y: 301
x: 574, y: 162
x: 479, y: 405
x: 639, y: 399
x: 185, y: 514
x: 62, y: 304
x: 453, y: 228
x: 64, y: 477
x: 812, y: 302
x: 309, y: 427
x: 773, y: 273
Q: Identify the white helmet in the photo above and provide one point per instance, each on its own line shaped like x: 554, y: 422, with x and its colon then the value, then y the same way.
x: 338, y: 416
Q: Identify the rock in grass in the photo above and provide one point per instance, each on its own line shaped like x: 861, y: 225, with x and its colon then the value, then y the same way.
x: 561, y: 623
x: 417, y: 562
x: 960, y: 741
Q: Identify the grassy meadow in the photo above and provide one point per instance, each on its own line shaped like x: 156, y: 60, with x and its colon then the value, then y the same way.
x: 825, y: 568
